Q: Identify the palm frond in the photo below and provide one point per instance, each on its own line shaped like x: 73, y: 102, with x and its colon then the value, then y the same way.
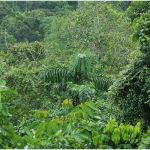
x: 81, y: 67
x: 56, y: 75
x: 83, y: 92
x: 102, y: 83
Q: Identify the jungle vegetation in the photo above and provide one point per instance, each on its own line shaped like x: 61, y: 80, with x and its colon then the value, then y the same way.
x: 74, y: 75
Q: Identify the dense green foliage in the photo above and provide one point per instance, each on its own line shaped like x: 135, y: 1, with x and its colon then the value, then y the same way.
x: 74, y: 75
x: 132, y: 90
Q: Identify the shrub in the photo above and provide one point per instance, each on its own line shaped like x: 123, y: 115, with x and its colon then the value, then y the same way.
x: 131, y: 92
x: 114, y: 135
x: 145, y: 142
x: 8, y: 136
x: 27, y: 52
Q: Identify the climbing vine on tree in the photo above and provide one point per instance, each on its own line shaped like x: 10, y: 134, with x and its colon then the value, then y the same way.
x: 132, y: 90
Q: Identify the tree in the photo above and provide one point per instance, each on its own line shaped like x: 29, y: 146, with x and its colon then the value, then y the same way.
x: 5, y: 10
x: 8, y: 136
x: 94, y: 26
x: 131, y: 92
x: 24, y: 26
x: 137, y: 8
x: 6, y: 40
x: 79, y: 72
x: 47, y: 5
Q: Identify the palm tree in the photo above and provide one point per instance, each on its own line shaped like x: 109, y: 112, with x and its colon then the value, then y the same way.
x: 80, y: 70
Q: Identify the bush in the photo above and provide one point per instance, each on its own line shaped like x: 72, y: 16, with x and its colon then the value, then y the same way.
x: 80, y: 93
x: 131, y: 92
x: 8, y: 136
x: 145, y: 142
x: 117, y: 136
x: 82, y: 128
x: 26, y: 52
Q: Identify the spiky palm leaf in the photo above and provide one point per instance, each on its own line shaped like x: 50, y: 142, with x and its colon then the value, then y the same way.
x: 79, y: 71
x: 56, y: 75
x: 101, y: 83
x: 81, y: 68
